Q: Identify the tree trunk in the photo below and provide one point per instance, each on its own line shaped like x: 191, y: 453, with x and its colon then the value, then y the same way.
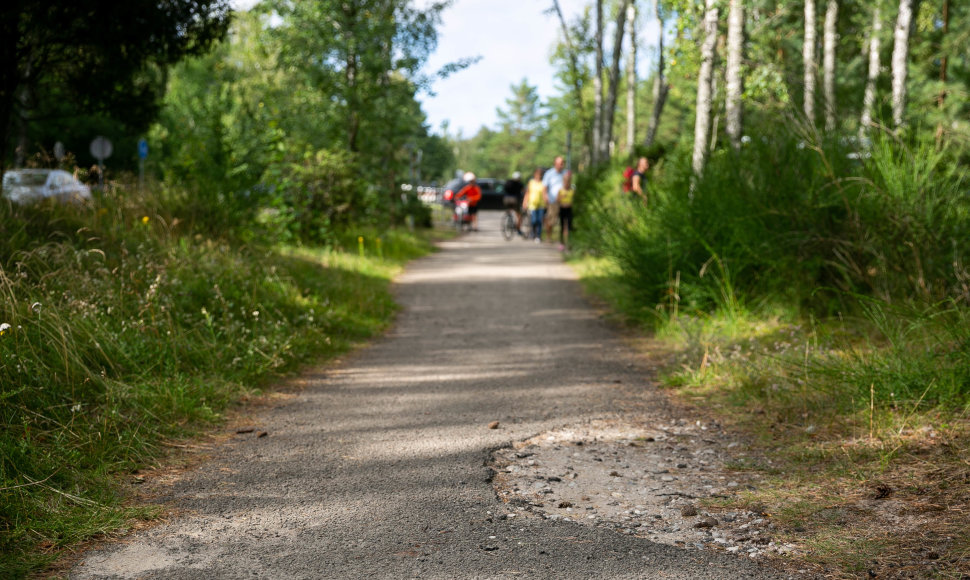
x: 869, y: 98
x: 830, y: 36
x: 702, y: 122
x: 609, y: 107
x: 900, y: 66
x: 598, y: 86
x: 660, y: 85
x: 631, y: 82
x: 808, y: 61
x: 944, y: 59
x: 574, y: 73
x: 735, y: 46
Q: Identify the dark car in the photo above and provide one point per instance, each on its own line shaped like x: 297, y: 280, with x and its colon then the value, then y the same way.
x: 493, y: 190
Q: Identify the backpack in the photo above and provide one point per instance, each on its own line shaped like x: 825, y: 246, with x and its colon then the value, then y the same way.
x: 627, y: 179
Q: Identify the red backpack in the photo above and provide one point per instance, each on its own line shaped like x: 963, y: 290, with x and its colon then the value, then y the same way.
x: 627, y: 179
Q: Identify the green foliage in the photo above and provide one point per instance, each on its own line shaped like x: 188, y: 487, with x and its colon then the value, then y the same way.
x: 792, y: 221
x: 120, y: 331
x: 266, y: 138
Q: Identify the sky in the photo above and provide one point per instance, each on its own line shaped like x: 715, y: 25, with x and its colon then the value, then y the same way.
x: 515, y: 40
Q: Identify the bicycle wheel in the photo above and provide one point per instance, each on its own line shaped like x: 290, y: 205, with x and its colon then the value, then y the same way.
x: 459, y: 218
x: 508, y: 226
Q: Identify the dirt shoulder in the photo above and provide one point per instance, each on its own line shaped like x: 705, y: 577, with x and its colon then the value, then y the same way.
x: 656, y: 477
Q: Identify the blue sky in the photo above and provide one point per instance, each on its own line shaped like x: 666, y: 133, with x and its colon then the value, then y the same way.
x: 515, y: 40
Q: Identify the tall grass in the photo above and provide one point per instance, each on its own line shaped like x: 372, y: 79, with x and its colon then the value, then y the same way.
x: 794, y: 227
x: 122, y: 330
x: 794, y: 222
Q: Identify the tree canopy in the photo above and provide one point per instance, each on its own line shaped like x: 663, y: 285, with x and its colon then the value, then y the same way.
x: 64, y: 59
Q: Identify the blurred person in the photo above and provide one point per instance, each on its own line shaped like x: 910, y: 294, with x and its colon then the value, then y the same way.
x: 565, y: 210
x: 552, y: 179
x: 639, y: 181
x: 512, y: 199
x: 535, y: 201
x: 471, y: 193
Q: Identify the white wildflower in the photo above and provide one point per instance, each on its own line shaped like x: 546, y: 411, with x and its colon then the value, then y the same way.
x: 4, y: 328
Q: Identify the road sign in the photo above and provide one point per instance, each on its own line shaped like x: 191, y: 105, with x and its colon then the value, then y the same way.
x: 101, y: 148
x: 142, y: 148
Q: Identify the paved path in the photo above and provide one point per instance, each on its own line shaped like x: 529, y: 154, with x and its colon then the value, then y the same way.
x: 377, y: 469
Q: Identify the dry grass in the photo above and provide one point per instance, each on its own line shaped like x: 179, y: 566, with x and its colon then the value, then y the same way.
x: 884, y: 494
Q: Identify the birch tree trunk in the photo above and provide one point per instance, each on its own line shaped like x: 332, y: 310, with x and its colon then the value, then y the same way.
x: 808, y: 61
x: 869, y: 98
x: 575, y: 74
x: 702, y: 122
x: 609, y: 107
x: 631, y: 81
x: 660, y: 85
x: 900, y: 68
x: 735, y: 46
x: 830, y: 36
x: 598, y: 86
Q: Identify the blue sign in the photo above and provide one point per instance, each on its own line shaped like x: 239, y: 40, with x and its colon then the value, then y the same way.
x: 142, y: 148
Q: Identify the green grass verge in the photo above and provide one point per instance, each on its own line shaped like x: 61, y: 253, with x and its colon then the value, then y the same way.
x: 120, y: 334
x: 840, y: 415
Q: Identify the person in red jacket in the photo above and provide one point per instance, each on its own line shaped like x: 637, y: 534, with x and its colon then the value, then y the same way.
x: 471, y: 193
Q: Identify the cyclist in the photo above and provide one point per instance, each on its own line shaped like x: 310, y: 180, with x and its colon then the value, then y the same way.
x: 512, y: 199
x: 471, y: 193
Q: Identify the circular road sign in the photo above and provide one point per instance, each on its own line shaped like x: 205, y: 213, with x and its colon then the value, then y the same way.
x: 142, y: 148
x: 101, y: 148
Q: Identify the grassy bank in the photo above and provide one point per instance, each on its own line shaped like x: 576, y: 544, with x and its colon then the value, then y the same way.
x: 122, y: 332
x: 857, y: 426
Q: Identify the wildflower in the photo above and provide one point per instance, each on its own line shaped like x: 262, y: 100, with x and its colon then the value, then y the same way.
x: 76, y: 407
x: 35, y: 307
x: 144, y: 219
x: 4, y: 328
x: 255, y: 313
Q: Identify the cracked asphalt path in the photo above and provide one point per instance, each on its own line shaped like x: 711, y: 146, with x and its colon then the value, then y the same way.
x: 377, y: 468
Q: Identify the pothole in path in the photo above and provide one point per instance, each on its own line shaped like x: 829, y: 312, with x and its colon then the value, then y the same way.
x: 665, y: 482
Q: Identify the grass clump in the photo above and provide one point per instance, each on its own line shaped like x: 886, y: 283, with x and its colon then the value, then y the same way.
x: 121, y: 331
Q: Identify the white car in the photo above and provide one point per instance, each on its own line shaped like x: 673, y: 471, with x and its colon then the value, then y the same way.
x: 26, y: 186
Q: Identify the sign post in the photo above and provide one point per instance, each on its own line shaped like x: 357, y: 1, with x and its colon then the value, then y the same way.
x: 142, y: 155
x: 101, y: 149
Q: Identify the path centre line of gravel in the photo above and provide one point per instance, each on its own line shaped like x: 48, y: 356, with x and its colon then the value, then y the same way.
x: 378, y: 467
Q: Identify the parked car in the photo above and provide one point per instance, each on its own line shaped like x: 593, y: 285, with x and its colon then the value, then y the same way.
x: 26, y: 186
x: 493, y: 190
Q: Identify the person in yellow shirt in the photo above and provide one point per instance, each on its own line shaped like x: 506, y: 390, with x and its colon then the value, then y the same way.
x: 565, y: 209
x: 536, y: 200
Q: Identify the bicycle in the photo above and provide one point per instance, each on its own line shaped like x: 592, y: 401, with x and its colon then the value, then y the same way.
x: 508, y: 225
x: 462, y: 217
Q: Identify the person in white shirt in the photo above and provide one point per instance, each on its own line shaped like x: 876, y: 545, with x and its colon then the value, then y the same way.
x: 552, y: 179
